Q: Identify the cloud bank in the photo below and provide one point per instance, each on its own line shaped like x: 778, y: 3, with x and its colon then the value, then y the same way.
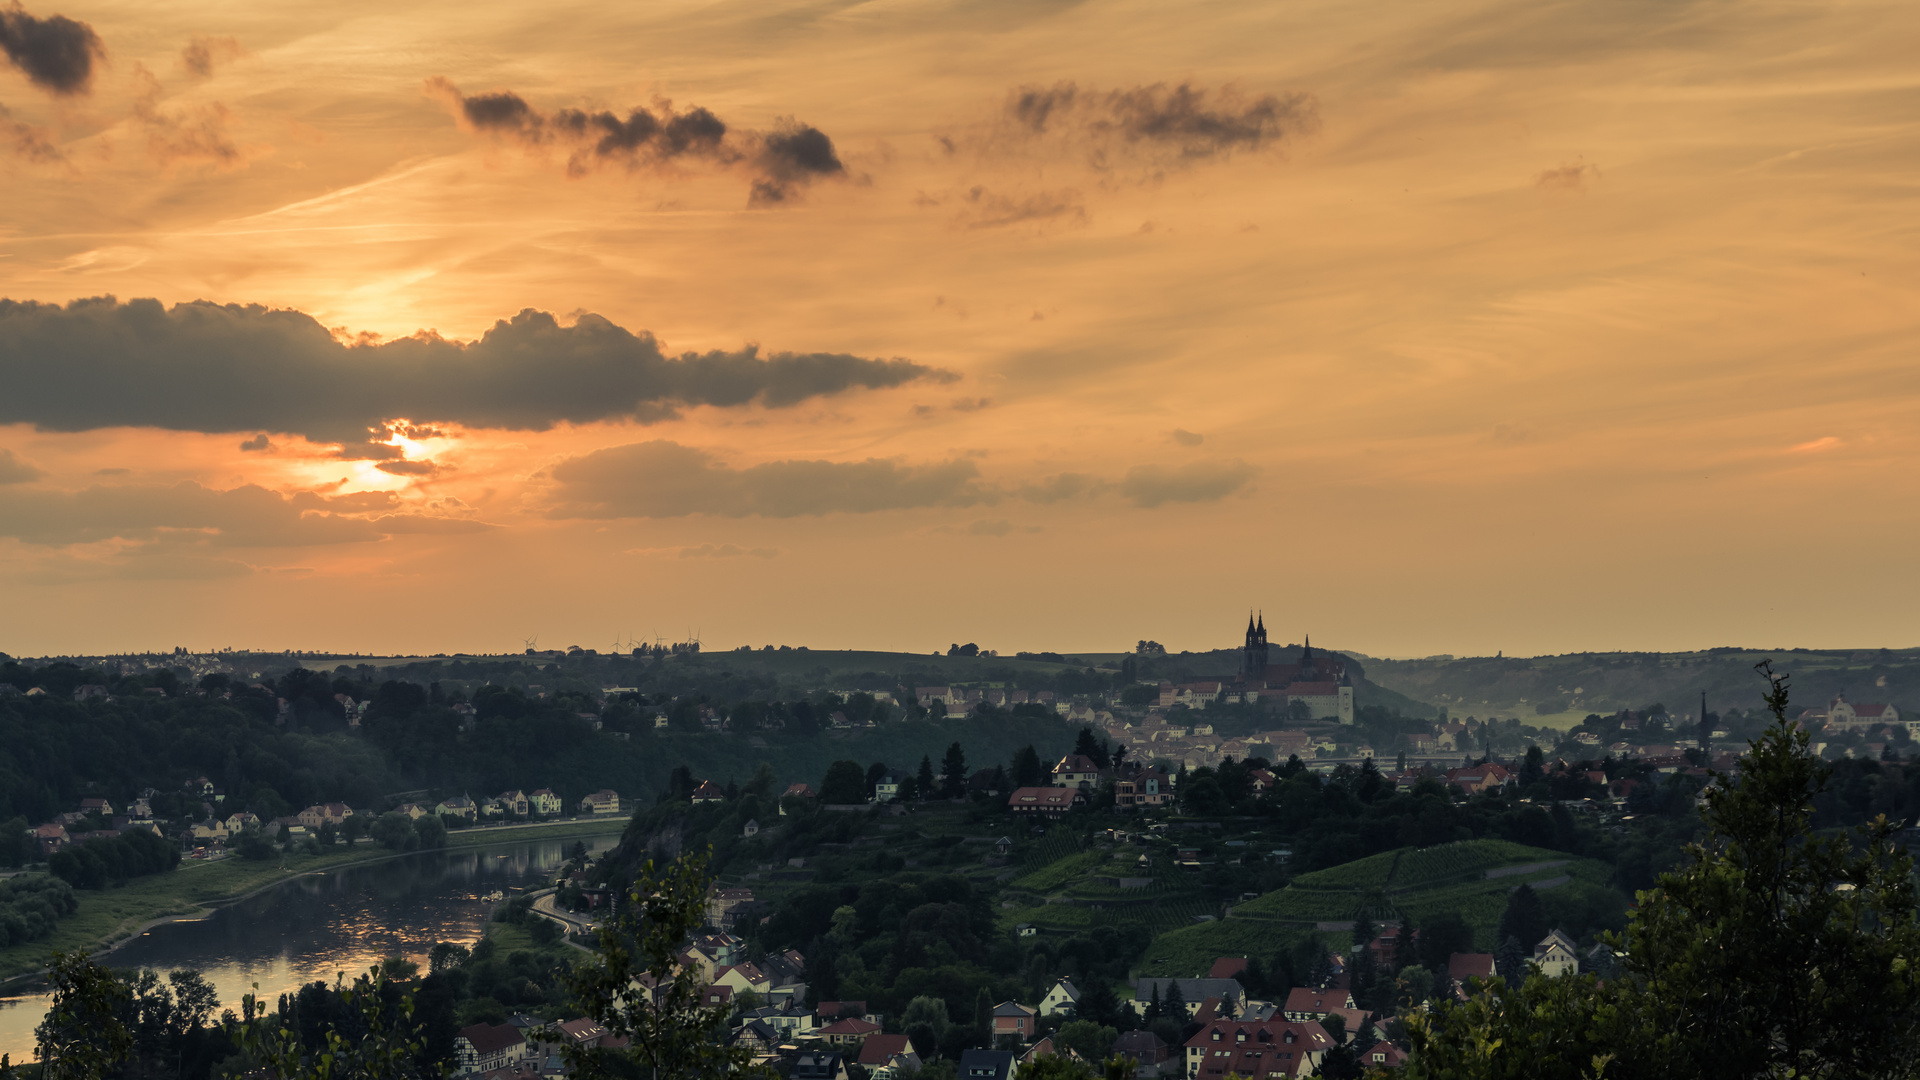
x: 663, y: 479
x: 783, y: 161
x: 247, y: 516
x: 245, y: 368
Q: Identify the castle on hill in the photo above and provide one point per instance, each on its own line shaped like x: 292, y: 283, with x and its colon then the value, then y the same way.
x: 1319, y: 682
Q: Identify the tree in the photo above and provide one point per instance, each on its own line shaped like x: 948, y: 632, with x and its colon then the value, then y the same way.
x: 875, y: 772
x: 953, y: 773
x: 1099, y: 1004
x: 445, y: 956
x: 845, y: 784
x: 395, y: 830
x: 1090, y: 1040
x: 1027, y: 771
x: 923, y: 782
x: 371, y: 1035
x: 82, y: 1036
x: 1770, y: 951
x: 637, y: 990
x: 1089, y: 745
x: 1525, y: 920
x: 432, y: 831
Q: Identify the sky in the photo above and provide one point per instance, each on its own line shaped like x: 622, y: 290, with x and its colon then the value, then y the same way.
x: 1453, y: 327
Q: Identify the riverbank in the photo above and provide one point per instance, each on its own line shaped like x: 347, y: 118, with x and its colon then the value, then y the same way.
x: 111, y: 916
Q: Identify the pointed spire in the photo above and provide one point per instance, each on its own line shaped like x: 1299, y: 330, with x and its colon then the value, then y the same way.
x: 1263, y: 622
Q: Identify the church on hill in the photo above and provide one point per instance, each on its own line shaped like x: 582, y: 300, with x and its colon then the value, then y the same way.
x: 1318, y: 682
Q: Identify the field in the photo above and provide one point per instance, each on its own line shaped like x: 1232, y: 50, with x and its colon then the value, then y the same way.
x: 111, y: 915
x: 1470, y: 877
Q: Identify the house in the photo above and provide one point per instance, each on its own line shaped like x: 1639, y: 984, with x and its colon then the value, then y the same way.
x: 89, y: 692
x: 1255, y: 1049
x: 544, y: 802
x: 756, y: 1035
x: 1148, y: 1051
x: 1306, y: 1003
x: 1013, y: 1018
x: 459, y: 806
x: 1062, y: 999
x: 583, y: 1033
x: 1555, y: 956
x: 1384, y: 1055
x: 485, y: 1047
x: 96, y: 806
x: 1192, y: 991
x: 888, y: 1053
x: 1464, y: 966
x: 722, y: 903
x: 512, y: 802
x: 887, y: 787
x: 1045, y: 801
x: 708, y: 792
x: 242, y: 819
x: 818, y: 1067
x: 1471, y: 781
x: 1076, y: 770
x: 604, y: 801
x: 985, y: 1065
x: 313, y: 817
x: 51, y: 837
x: 849, y: 1031
x: 751, y: 828
x: 799, y: 791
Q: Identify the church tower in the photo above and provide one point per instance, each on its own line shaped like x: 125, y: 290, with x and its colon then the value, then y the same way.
x: 1253, y: 657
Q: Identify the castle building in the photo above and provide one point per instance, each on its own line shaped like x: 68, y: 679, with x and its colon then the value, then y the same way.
x: 1319, y: 683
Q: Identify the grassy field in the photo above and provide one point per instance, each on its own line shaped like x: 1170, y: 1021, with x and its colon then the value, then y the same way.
x: 111, y: 915
x: 1408, y: 883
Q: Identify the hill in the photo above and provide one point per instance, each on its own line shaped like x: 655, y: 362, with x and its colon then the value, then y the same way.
x: 1571, y: 685
x: 1470, y: 877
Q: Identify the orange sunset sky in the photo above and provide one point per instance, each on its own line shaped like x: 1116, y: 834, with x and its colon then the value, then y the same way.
x: 1458, y: 326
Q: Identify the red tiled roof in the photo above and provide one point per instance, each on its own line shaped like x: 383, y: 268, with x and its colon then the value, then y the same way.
x: 1470, y: 965
x: 1227, y: 967
x: 492, y: 1038
x: 879, y: 1048
x: 852, y: 1025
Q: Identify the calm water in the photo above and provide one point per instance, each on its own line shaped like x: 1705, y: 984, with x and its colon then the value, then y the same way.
x: 316, y: 927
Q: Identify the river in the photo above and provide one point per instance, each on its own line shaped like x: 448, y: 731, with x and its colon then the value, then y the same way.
x: 313, y: 928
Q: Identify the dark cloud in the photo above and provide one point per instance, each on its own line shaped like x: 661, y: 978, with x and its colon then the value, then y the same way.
x: 15, y: 471
x: 1181, y: 122
x: 661, y: 479
x: 259, y: 442
x: 1203, y: 481
x: 56, y: 53
x: 783, y: 161
x: 1188, y: 438
x: 793, y: 156
x: 248, y: 516
x: 222, y: 368
x: 202, y: 54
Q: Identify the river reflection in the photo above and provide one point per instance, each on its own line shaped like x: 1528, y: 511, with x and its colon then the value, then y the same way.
x: 314, y: 928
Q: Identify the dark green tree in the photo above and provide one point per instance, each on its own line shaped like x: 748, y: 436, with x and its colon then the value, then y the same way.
x: 845, y: 784
x: 953, y: 773
x: 1027, y: 771
x: 1525, y: 919
x: 923, y: 781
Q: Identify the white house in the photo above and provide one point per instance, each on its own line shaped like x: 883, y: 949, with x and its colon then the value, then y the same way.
x: 1063, y: 999
x: 1555, y: 956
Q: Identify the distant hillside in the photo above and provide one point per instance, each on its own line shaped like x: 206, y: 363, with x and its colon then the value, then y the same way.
x: 1580, y: 683
x: 1471, y: 877
x: 1225, y: 663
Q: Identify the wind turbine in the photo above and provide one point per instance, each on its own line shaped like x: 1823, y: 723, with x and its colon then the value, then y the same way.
x: 531, y: 642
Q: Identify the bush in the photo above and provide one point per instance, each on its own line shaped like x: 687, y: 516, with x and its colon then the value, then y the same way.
x: 30, y: 906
